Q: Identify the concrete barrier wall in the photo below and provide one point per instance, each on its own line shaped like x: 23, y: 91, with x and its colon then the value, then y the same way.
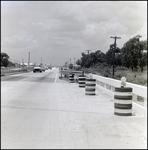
x: 12, y: 71
x: 108, y: 85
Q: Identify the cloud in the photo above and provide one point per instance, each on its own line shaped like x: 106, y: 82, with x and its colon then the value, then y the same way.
x: 38, y: 24
x: 22, y: 23
x: 68, y: 28
x: 19, y: 40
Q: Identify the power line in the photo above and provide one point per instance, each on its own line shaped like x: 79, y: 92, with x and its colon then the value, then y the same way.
x: 105, y: 43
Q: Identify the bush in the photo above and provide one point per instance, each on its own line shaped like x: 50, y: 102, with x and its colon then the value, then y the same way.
x: 104, y: 64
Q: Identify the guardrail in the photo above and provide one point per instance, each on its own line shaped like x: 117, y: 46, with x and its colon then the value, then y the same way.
x: 11, y: 71
x: 108, y: 85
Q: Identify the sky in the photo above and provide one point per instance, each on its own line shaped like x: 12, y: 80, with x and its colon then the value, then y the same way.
x: 55, y: 32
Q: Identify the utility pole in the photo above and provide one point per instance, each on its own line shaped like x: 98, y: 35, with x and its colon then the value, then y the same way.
x: 74, y: 61
x: 41, y: 60
x: 114, y: 50
x: 28, y: 59
x: 88, y: 51
x: 140, y: 53
x: 14, y: 63
x: 22, y: 63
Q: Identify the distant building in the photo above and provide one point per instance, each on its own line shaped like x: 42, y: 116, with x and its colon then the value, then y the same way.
x: 76, y: 67
x: 26, y: 64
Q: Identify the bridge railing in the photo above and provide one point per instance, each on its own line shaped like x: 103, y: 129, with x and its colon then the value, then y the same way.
x: 108, y: 85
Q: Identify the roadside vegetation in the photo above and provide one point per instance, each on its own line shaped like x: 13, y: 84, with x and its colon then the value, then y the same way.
x: 5, y: 61
x: 130, y: 61
x: 136, y: 77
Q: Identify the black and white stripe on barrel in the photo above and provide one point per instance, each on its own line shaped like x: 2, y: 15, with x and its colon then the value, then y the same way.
x: 71, y: 78
x: 90, y: 86
x: 123, y: 101
x: 82, y: 79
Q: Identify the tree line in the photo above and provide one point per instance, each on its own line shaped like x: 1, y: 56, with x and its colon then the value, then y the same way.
x: 131, y: 55
x: 5, y: 62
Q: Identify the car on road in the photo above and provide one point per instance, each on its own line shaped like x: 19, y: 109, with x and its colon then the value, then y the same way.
x: 37, y: 69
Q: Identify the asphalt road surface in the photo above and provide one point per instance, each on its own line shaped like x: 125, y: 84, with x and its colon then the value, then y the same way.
x: 40, y: 111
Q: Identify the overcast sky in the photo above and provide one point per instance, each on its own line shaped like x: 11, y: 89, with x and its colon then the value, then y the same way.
x: 57, y: 31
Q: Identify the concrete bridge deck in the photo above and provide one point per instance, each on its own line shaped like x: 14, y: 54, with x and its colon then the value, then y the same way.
x: 77, y: 121
x: 91, y: 123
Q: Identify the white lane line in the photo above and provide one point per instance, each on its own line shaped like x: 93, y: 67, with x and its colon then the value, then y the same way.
x: 56, y: 76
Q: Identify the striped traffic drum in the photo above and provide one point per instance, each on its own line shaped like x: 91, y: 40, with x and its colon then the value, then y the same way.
x: 71, y: 78
x: 123, y: 101
x: 90, y: 86
x: 82, y: 80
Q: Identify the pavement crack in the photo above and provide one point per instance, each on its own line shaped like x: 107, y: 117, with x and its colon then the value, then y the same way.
x: 50, y: 109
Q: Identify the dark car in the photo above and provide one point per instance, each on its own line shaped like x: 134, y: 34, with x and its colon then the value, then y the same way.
x: 37, y: 69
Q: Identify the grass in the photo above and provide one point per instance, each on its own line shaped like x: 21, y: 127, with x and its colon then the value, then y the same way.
x: 135, y: 77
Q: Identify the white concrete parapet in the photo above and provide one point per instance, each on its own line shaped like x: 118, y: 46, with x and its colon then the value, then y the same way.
x: 108, y: 85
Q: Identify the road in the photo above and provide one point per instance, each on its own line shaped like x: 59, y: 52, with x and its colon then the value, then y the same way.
x: 26, y: 104
x: 39, y: 111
